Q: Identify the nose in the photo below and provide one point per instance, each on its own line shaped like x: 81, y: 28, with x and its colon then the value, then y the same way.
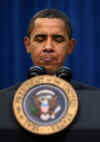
x: 48, y: 47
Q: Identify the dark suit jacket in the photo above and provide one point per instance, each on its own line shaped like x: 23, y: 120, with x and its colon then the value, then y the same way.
x: 75, y: 84
x: 86, y: 126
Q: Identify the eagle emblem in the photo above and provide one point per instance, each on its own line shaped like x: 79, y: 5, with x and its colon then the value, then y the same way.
x: 45, y: 105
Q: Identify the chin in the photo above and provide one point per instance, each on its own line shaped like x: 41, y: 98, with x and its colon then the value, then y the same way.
x: 50, y: 69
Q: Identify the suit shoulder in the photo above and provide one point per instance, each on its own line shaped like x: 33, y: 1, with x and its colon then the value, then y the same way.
x: 10, y: 89
x: 82, y: 86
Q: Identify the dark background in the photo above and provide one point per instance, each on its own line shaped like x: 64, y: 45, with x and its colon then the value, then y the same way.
x: 14, y: 19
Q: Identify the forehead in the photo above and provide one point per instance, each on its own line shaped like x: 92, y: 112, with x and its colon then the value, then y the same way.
x: 49, y: 25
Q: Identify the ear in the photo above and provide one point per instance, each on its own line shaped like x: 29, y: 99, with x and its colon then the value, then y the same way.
x: 27, y: 44
x: 71, y: 45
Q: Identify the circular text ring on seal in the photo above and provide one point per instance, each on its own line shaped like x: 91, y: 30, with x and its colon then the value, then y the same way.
x: 45, y: 105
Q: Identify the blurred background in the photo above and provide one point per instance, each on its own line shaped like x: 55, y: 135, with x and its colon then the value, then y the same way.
x: 14, y: 19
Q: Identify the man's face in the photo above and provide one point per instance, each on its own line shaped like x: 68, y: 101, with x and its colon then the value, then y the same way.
x: 49, y: 43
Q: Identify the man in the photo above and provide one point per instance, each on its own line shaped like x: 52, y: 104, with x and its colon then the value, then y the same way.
x: 49, y: 41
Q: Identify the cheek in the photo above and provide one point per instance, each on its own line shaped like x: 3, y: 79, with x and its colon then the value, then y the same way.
x: 62, y: 53
x: 35, y: 53
x: 35, y: 50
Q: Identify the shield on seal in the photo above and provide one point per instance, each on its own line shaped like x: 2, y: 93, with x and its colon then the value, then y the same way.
x: 44, y: 108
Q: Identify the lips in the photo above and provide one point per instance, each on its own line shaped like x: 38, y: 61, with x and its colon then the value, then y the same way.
x: 48, y: 59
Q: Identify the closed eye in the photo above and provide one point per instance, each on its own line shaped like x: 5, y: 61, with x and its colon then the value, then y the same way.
x: 40, y: 38
x: 58, y: 38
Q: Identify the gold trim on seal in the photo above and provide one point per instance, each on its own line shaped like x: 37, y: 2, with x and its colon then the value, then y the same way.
x: 53, y: 128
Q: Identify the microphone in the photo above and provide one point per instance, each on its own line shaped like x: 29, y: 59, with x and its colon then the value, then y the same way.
x: 64, y: 73
x: 36, y: 70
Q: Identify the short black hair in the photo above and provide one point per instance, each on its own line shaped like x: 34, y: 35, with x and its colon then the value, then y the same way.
x: 51, y: 13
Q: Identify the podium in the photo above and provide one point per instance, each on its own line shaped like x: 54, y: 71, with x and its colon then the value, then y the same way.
x: 85, y: 127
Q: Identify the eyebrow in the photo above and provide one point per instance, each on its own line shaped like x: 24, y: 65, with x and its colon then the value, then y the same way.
x: 44, y: 35
x: 58, y: 35
x: 40, y: 35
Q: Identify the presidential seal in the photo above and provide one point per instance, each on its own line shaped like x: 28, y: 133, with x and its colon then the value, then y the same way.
x: 45, y: 105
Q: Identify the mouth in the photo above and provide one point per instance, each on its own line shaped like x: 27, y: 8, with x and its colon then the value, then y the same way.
x: 48, y: 59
